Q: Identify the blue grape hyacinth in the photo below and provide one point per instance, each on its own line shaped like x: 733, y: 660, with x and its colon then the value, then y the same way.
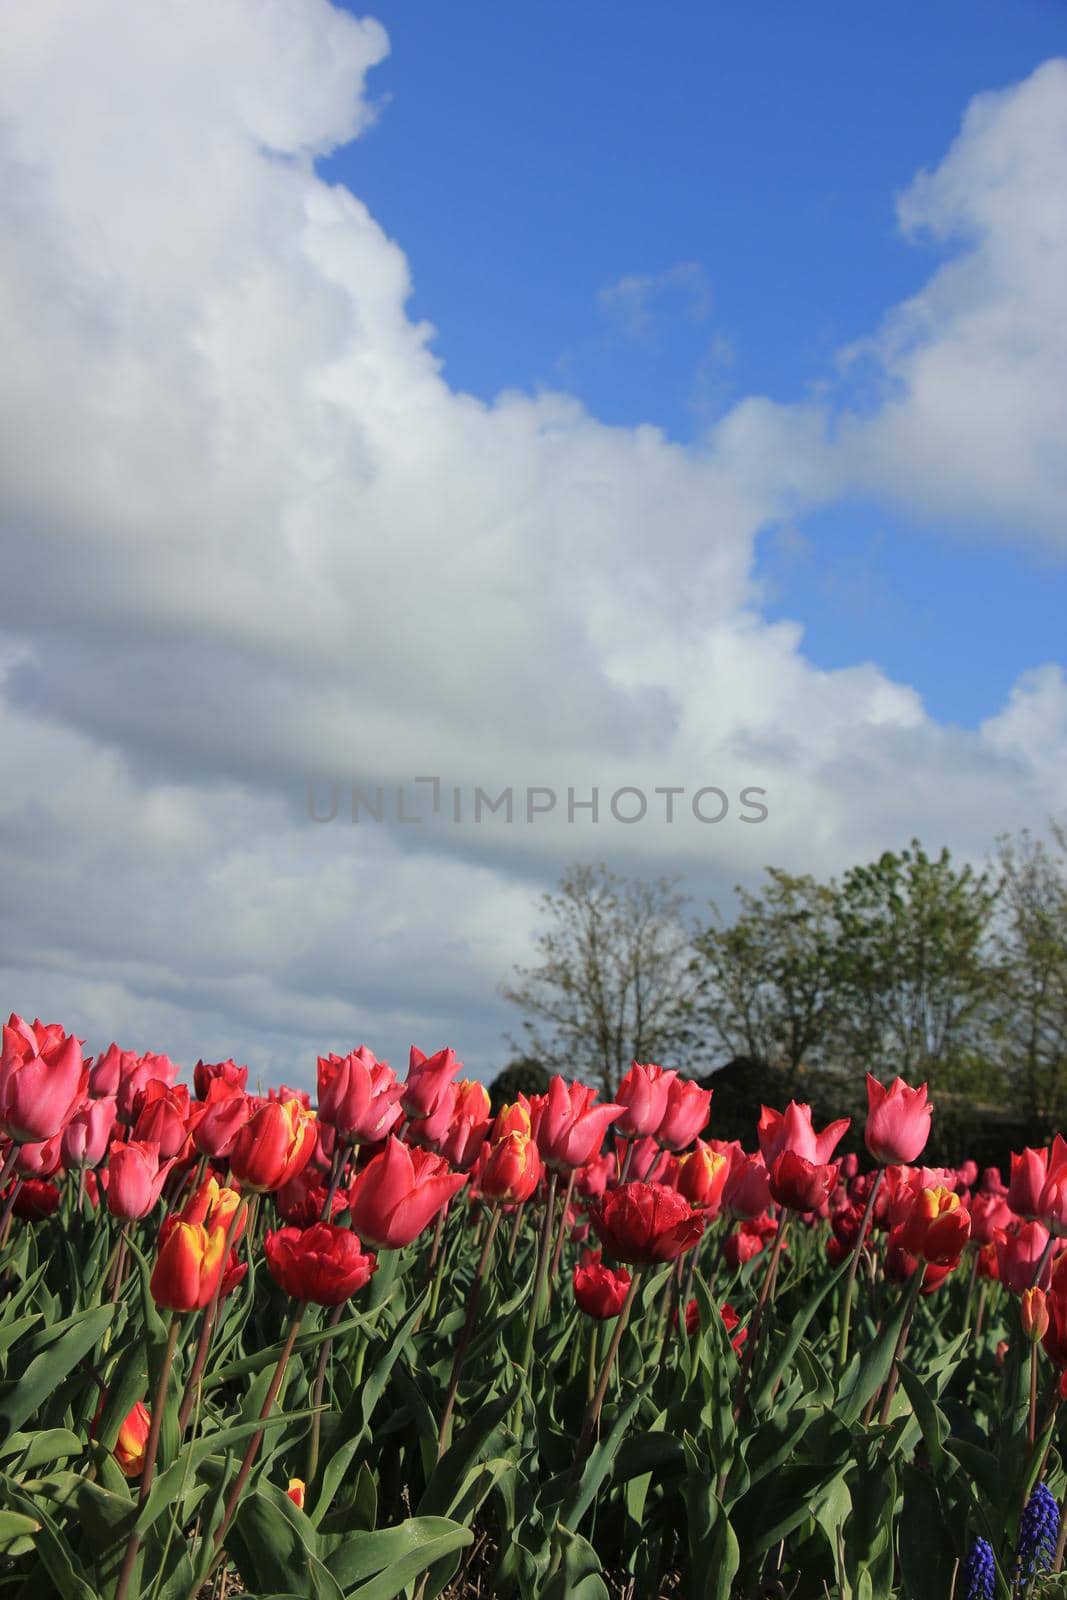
x: 1038, y: 1528
x: 979, y: 1571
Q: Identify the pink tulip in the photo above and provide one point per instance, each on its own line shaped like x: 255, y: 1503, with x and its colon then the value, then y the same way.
x: 1053, y: 1200
x: 40, y: 1160
x: 358, y: 1095
x: 792, y: 1129
x: 645, y: 1155
x: 643, y: 1094
x: 86, y: 1136
x: 747, y: 1191
x: 426, y: 1081
x: 569, y: 1126
x: 161, y: 1116
x: 988, y: 1213
x: 135, y: 1179
x: 430, y: 1131
x: 471, y: 1121
x: 686, y: 1115
x: 206, y: 1073
x: 219, y: 1118
x: 898, y: 1121
x: 42, y: 1079
x: 1029, y: 1171
x: 146, y: 1069
x: 398, y: 1193
x: 109, y: 1071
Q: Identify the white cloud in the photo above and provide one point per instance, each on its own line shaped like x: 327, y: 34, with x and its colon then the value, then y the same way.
x: 253, y: 539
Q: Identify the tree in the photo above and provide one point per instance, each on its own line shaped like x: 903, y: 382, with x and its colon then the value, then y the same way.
x: 1030, y: 1005
x: 916, y: 975
x: 523, y: 1076
x: 612, y: 984
x: 769, y: 984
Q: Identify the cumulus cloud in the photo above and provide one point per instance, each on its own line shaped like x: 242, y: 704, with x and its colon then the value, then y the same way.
x: 254, y: 542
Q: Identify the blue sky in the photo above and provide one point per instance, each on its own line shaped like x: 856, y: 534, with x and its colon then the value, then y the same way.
x: 663, y: 212
x: 675, y: 539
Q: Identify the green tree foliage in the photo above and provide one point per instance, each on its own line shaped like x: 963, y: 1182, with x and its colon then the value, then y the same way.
x: 1029, y: 1023
x: 769, y: 982
x: 524, y: 1076
x: 915, y: 968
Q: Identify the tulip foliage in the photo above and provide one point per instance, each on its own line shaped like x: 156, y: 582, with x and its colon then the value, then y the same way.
x: 387, y: 1344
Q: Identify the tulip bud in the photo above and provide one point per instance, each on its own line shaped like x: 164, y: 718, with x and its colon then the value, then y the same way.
x: 512, y: 1169
x: 132, y: 1439
x: 599, y: 1291
x: 296, y: 1492
x: 1033, y: 1310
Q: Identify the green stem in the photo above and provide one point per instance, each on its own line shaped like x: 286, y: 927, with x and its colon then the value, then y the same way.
x: 465, y: 1337
x: 847, y: 1291
x: 256, y: 1440
x: 133, y: 1544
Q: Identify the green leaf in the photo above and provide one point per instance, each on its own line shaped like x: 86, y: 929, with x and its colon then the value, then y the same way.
x: 54, y: 1353
x: 396, y: 1555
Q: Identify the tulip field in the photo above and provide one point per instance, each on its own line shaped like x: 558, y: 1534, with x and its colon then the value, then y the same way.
x: 388, y: 1343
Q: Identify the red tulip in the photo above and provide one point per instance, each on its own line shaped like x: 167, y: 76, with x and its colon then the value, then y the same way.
x: 135, y: 1179
x: 512, y: 1169
x: 427, y: 1080
x: 937, y: 1227
x: 359, y: 1096
x: 36, y: 1200
x: 274, y: 1145
x: 686, y: 1114
x: 801, y: 1185
x: 645, y: 1222
x: 1054, y: 1338
x: 514, y: 1118
x: 132, y: 1439
x: 42, y: 1078
x: 302, y: 1200
x: 323, y: 1263
x: 569, y: 1126
x: 296, y: 1491
x: 227, y: 1072
x: 86, y: 1135
x: 701, y: 1178
x: 792, y: 1129
x: 599, y: 1290
x: 643, y: 1095
x: 1018, y: 1253
x: 397, y: 1193
x: 188, y: 1265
